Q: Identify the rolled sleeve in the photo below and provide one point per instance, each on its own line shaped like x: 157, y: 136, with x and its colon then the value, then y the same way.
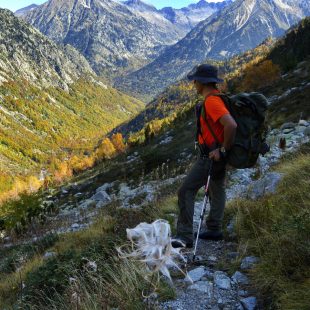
x: 215, y: 108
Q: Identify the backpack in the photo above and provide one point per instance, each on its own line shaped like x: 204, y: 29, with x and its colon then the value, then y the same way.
x: 249, y: 112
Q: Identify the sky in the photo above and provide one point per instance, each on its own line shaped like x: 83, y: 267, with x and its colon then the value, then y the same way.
x: 14, y: 5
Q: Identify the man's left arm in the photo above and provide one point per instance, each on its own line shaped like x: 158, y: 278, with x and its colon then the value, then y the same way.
x: 230, y: 127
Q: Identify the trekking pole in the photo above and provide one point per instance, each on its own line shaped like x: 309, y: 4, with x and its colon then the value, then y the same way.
x: 203, y: 211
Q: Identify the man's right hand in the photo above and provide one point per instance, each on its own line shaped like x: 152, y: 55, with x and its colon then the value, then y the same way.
x: 215, y: 155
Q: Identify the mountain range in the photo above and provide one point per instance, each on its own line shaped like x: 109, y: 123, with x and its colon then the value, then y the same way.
x: 183, y: 19
x: 142, y: 50
x: 116, y: 37
x: 236, y: 28
x: 107, y: 33
x: 51, y: 91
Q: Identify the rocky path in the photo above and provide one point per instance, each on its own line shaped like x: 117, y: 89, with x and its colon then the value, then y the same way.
x: 215, y: 287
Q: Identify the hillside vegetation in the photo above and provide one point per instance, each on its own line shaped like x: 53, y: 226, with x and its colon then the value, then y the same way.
x: 276, y: 229
x: 54, y: 110
x: 293, y: 47
x: 119, y: 283
x: 40, y: 127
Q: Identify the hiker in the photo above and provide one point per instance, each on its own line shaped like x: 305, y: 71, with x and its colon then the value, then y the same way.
x: 205, y: 79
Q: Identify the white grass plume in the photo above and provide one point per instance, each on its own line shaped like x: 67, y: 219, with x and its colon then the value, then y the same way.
x: 151, y: 243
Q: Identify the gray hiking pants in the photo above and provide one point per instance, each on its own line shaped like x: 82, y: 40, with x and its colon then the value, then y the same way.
x: 197, y: 178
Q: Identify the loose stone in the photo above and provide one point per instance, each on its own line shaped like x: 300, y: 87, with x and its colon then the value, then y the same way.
x: 205, y: 287
x: 48, y: 255
x: 195, y: 274
x: 303, y: 123
x: 307, y: 131
x: 288, y: 130
x: 287, y: 126
x: 249, y: 303
x: 222, y: 280
x: 240, y: 278
x: 243, y: 293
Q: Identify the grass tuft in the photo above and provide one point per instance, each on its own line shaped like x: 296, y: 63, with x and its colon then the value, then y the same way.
x: 276, y: 228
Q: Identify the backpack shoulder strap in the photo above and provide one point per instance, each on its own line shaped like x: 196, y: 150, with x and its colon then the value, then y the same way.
x: 225, y: 98
x: 198, y: 110
x: 203, y: 114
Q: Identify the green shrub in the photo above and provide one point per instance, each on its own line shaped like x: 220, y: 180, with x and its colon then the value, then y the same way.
x: 16, y: 214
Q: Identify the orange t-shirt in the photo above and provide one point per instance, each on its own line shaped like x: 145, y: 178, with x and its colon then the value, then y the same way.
x: 214, y: 108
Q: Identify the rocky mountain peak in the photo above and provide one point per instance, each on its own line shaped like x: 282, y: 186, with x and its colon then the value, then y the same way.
x: 188, y: 17
x: 200, y: 4
x: 111, y: 35
x: 204, y: 4
x: 140, y: 5
x: 26, y: 9
x: 26, y: 53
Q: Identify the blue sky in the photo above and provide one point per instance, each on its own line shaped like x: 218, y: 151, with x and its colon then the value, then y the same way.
x: 14, y: 5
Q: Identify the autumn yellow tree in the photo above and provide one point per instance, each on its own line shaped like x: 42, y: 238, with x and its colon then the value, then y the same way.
x: 118, y: 142
x: 75, y: 163
x: 261, y: 75
x: 78, y: 164
x: 63, y: 171
x: 106, y: 149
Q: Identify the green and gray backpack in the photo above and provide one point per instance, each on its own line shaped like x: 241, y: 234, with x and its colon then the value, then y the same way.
x: 249, y: 112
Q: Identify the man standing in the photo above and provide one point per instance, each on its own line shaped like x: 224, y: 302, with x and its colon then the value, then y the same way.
x: 214, y: 124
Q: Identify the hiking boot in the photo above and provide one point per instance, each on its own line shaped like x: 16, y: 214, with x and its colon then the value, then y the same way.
x: 211, y: 235
x: 179, y: 242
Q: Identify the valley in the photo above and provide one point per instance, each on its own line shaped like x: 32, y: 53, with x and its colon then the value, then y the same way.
x: 54, y: 109
x: 84, y: 161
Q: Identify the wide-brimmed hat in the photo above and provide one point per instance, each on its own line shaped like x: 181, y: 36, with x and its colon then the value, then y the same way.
x: 205, y: 74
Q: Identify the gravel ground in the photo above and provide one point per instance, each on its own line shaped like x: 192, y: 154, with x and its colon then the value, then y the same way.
x: 212, y: 287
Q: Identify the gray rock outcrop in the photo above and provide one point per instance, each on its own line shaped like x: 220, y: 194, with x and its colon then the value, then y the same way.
x: 26, y: 53
x: 267, y: 185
